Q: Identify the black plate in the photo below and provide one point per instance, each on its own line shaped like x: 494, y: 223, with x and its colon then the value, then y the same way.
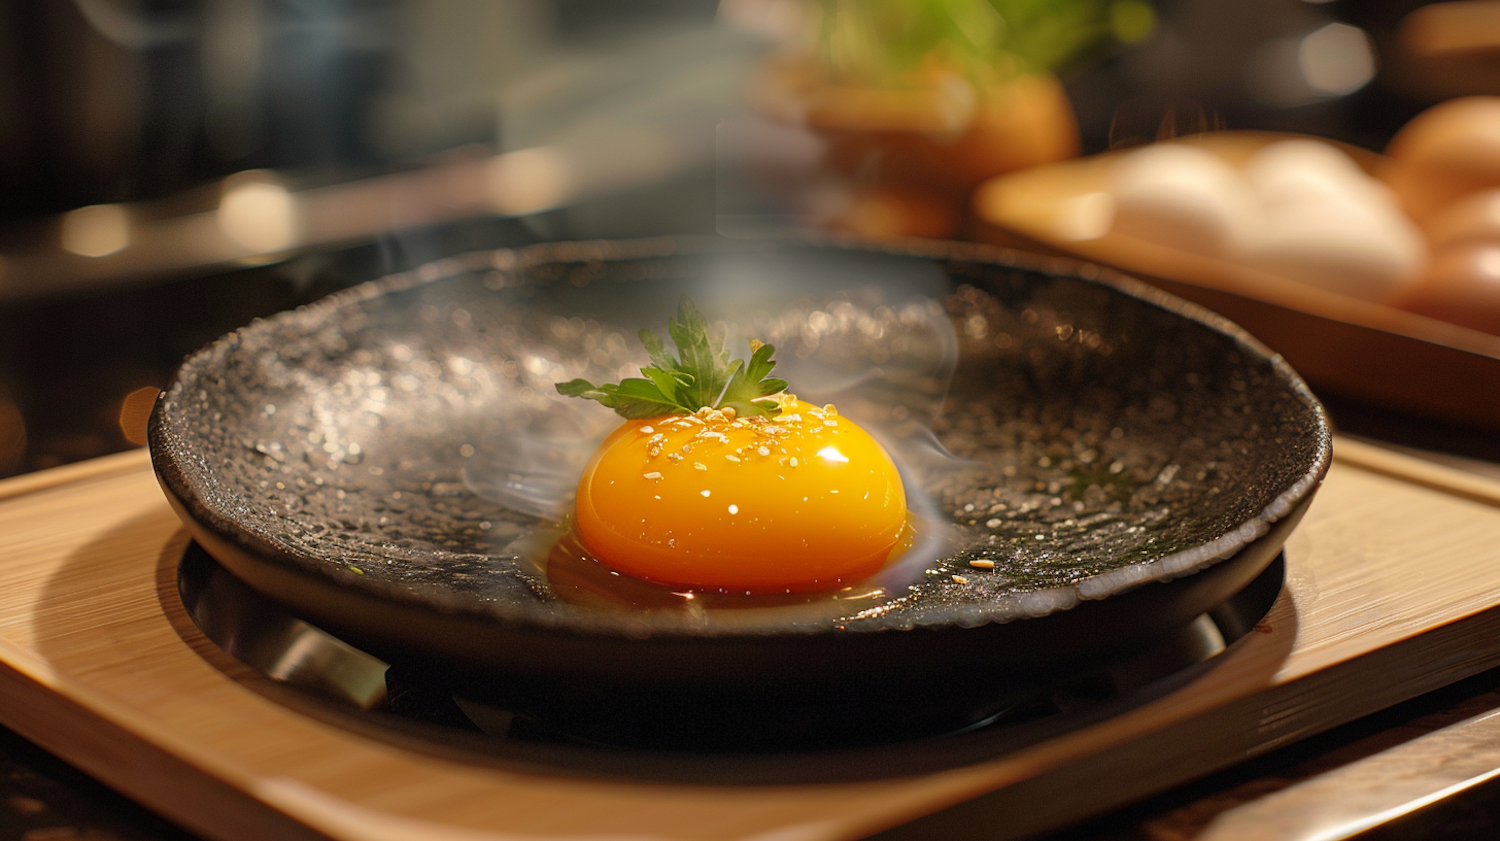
x: 390, y: 463
x: 349, y: 687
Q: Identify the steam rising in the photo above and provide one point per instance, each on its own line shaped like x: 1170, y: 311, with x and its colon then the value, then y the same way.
x: 887, y: 364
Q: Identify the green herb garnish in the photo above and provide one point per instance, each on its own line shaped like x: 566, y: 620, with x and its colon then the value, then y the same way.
x: 703, y: 378
x: 884, y: 41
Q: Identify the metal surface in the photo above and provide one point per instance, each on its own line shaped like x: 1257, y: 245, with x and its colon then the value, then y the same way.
x: 349, y: 685
x: 1391, y: 785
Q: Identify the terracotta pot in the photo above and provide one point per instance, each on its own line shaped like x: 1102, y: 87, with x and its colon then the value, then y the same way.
x: 931, y: 143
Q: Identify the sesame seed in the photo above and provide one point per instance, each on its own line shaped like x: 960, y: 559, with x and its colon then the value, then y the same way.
x: 959, y: 579
x: 830, y: 422
x: 765, y: 451
x: 648, y: 429
x: 653, y: 475
x: 733, y: 458
x: 675, y: 458
x: 794, y: 461
x: 698, y: 465
x: 982, y: 564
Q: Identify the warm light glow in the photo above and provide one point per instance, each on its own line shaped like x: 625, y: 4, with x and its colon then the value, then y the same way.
x: 1463, y: 26
x: 259, y: 215
x: 97, y: 230
x: 135, y: 411
x: 12, y: 438
x: 1489, y: 263
x: 528, y: 181
x: 829, y: 454
x: 1084, y: 217
x: 1336, y: 59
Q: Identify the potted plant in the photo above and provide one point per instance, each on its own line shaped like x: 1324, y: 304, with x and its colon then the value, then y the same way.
x: 918, y: 101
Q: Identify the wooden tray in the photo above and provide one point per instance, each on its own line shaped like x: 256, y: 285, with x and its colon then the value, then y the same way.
x: 1392, y: 590
x: 1356, y: 348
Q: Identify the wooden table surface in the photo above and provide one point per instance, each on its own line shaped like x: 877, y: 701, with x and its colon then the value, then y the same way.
x: 1461, y: 519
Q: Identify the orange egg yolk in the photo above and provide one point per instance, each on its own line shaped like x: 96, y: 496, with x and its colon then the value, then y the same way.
x: 803, y: 501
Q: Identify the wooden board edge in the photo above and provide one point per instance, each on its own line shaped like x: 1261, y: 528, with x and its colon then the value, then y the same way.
x: 96, y: 468
x: 1164, y: 759
x: 1409, y: 468
x: 138, y: 768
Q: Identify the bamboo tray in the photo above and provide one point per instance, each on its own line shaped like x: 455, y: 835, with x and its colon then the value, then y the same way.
x: 1393, y: 583
x: 1360, y: 349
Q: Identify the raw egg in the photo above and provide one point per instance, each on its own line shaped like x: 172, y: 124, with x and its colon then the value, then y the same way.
x: 1446, y: 152
x: 1470, y: 220
x: 1183, y: 197
x: 803, y: 501
x: 1461, y: 286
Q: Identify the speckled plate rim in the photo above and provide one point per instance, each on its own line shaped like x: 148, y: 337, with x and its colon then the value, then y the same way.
x: 228, y: 533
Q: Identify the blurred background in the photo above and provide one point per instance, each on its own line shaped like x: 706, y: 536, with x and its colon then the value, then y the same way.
x: 171, y: 170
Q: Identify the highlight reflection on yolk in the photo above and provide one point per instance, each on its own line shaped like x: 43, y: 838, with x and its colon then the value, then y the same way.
x: 803, y: 501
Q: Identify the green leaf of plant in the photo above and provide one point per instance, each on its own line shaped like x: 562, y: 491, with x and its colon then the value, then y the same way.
x: 658, y: 352
x: 580, y: 388
x: 704, y: 355
x: 638, y: 398
x: 703, y: 377
x: 669, y: 383
x: 748, y: 383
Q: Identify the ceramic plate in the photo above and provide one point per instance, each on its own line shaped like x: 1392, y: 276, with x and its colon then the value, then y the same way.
x: 394, y: 465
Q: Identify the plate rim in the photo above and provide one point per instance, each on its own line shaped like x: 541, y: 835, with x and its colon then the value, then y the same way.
x: 189, y: 505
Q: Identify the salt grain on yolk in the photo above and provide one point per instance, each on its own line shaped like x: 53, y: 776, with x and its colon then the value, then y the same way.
x: 803, y: 501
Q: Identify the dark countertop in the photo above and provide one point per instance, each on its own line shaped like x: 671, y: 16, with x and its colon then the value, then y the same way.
x: 43, y: 798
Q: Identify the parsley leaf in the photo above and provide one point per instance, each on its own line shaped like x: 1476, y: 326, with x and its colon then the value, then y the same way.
x: 704, y: 377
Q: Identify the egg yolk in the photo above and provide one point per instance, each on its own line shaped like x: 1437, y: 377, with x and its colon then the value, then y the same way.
x: 803, y: 501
